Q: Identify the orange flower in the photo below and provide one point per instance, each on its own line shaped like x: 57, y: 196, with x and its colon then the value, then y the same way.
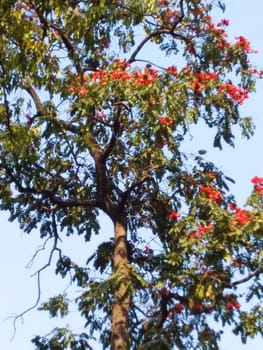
x: 173, y: 215
x: 147, y: 77
x: 244, y: 44
x: 172, y: 70
x: 241, y: 217
x: 211, y: 193
x: 204, y: 229
x: 120, y: 75
x: 166, y: 121
x: 236, y: 93
x: 197, y: 86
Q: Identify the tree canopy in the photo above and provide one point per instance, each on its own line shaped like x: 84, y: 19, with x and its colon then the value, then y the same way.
x: 94, y: 118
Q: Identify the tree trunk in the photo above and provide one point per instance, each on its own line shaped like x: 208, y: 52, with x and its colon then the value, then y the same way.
x: 120, y: 334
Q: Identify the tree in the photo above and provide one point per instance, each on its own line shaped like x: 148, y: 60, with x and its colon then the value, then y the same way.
x: 90, y: 123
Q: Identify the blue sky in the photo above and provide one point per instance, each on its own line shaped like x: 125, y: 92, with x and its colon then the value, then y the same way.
x: 19, y: 289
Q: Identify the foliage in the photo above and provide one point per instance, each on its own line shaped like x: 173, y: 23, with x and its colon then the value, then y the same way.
x: 89, y: 122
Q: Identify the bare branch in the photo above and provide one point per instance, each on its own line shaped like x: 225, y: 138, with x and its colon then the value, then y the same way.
x: 38, y: 274
x: 145, y: 40
x: 39, y: 249
x: 245, y: 279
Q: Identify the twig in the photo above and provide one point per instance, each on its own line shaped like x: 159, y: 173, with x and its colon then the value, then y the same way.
x: 39, y: 249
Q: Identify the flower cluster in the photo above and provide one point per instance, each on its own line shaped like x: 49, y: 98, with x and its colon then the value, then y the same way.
x: 145, y: 77
x: 233, y: 305
x: 231, y: 302
x: 211, y: 193
x: 244, y: 44
x: 163, y: 3
x: 258, y: 184
x: 119, y: 74
x: 223, y: 23
x: 258, y: 73
x: 241, y: 217
x: 202, y: 230
x: 172, y: 70
x: 236, y: 93
x: 165, y: 120
x: 170, y: 15
x: 200, y: 81
x: 79, y: 90
x: 101, y: 75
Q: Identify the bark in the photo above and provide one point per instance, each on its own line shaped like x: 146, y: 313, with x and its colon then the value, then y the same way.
x: 120, y: 334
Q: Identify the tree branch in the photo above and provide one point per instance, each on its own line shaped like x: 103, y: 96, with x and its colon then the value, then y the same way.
x: 145, y: 40
x: 38, y: 104
x: 166, y: 30
x: 115, y: 132
x: 133, y: 187
x: 65, y: 39
x: 67, y: 203
x: 245, y: 279
x: 6, y: 102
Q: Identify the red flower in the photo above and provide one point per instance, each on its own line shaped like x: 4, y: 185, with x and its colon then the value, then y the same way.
x: 258, y: 184
x: 199, y: 83
x: 120, y: 75
x: 170, y: 15
x: 163, y: 3
x: 237, y: 305
x: 223, y: 22
x: 71, y: 89
x: 122, y: 64
x: 172, y: 70
x: 100, y: 75
x: 211, y: 193
x: 173, y: 215
x: 197, y: 86
x: 232, y: 206
x: 165, y: 120
x: 198, y: 308
x: 233, y: 305
x: 236, y: 93
x: 230, y: 305
x: 244, y: 44
x: 256, y: 180
x: 177, y: 308
x: 82, y: 91
x: 206, y: 76
x: 242, y: 217
x: 204, y: 229
x: 147, y: 77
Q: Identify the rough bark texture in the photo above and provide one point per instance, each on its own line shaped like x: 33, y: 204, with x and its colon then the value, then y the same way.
x: 120, y: 335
